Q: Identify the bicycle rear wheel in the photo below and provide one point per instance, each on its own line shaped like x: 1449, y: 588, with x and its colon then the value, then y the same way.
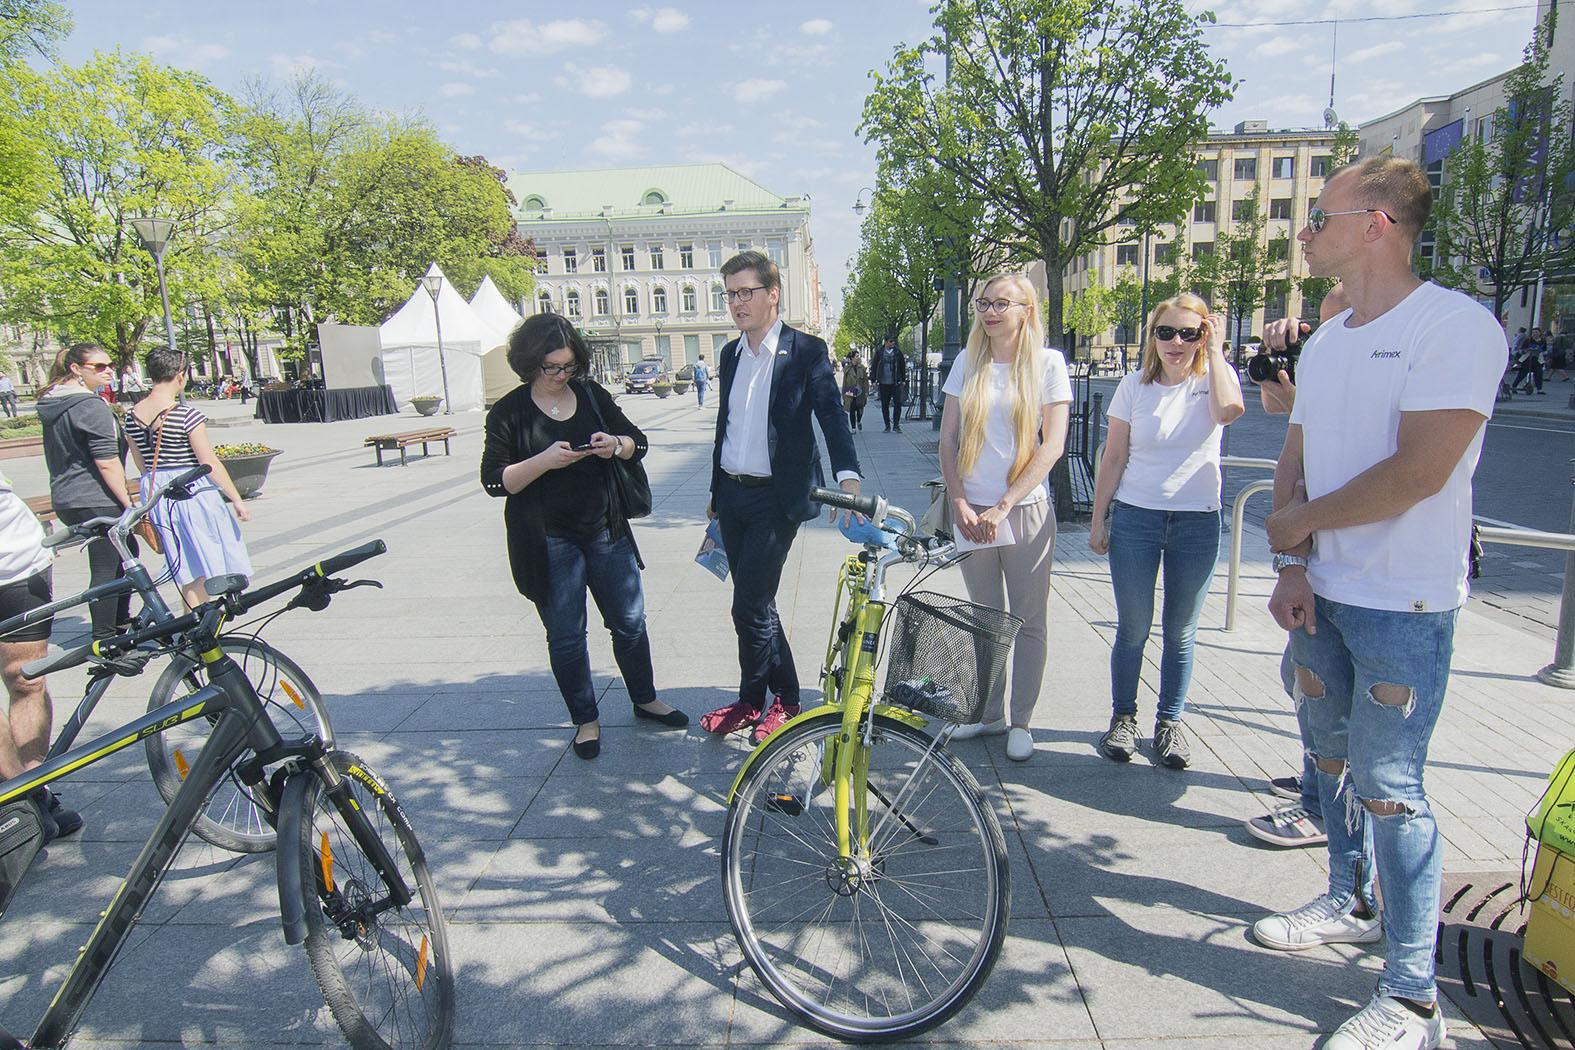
x: 386, y: 974
x: 901, y: 940
x: 233, y: 819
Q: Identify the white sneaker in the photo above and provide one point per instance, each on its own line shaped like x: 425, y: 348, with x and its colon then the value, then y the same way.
x: 1019, y: 745
x: 979, y: 729
x: 1385, y: 1023
x: 1319, y: 921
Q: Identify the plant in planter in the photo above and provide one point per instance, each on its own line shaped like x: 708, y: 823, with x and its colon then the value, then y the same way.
x: 427, y: 404
x: 680, y: 386
x: 247, y: 464
x: 662, y: 387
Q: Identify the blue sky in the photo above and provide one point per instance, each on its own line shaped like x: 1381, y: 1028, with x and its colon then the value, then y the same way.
x: 775, y: 90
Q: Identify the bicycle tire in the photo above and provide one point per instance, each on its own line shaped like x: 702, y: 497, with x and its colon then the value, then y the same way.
x: 801, y: 877
x: 231, y: 819
x: 407, y: 945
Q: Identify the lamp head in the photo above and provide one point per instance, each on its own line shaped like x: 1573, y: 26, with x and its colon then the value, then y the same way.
x: 858, y: 208
x: 154, y: 233
x: 434, y: 284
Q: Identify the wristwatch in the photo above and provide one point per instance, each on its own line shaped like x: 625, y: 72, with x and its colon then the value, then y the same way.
x: 1282, y: 562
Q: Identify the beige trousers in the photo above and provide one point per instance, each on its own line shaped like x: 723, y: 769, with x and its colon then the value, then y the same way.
x: 1016, y: 578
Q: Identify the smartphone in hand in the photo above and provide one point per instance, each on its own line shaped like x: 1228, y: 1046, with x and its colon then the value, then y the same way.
x: 580, y: 448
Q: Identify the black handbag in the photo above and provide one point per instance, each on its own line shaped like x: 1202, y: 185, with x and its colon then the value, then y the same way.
x: 629, y: 482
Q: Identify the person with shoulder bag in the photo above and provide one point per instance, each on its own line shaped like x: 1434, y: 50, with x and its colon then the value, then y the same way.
x: 564, y: 457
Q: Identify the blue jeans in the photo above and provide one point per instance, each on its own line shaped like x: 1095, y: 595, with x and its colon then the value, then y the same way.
x: 1309, y: 768
x: 1370, y: 684
x: 700, y: 393
x: 608, y: 568
x: 1187, y: 542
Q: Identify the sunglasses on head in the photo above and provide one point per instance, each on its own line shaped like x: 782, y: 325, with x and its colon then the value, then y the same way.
x: 1165, y: 333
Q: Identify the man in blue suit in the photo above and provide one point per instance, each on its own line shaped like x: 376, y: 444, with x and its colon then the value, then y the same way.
x: 771, y: 381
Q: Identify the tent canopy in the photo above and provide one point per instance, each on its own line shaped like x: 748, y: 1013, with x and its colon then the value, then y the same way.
x: 496, y: 376
x: 410, y: 361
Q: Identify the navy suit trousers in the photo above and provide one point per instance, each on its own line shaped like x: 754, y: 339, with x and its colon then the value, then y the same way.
x: 757, y: 537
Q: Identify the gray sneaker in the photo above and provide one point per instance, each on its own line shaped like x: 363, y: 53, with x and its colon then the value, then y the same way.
x: 1288, y: 826
x: 1170, y: 744
x: 1120, y: 741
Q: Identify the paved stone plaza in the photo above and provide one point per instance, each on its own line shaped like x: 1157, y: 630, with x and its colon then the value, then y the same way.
x: 584, y: 897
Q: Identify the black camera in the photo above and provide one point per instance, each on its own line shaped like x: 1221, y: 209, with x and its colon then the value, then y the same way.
x: 1264, y: 367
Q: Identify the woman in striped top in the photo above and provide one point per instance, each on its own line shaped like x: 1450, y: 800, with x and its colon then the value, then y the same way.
x: 200, y: 536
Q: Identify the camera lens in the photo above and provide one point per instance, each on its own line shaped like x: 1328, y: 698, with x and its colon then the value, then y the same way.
x: 1263, y: 367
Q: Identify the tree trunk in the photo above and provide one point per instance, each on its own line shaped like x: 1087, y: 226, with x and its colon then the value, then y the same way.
x: 1056, y: 336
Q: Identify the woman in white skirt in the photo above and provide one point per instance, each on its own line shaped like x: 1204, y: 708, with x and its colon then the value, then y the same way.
x: 201, y: 538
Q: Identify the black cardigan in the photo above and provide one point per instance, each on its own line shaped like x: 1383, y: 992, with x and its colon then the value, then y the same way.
x: 508, y: 442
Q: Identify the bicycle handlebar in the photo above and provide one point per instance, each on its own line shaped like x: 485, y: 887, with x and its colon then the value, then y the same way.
x: 58, y: 662
x: 865, y: 505
x: 323, y: 569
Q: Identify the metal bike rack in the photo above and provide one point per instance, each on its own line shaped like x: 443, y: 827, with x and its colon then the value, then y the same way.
x: 1238, y: 516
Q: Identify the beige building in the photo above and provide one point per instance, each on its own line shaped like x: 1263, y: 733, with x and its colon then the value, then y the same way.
x: 1286, y: 167
x: 632, y: 254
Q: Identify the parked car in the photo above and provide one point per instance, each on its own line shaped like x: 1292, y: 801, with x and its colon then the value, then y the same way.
x: 642, y: 377
x: 685, y: 374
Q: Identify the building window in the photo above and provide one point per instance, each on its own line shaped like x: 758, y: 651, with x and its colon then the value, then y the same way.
x: 544, y: 302
x: 1210, y: 169
x: 774, y: 250
x: 1166, y: 254
x: 688, y: 299
x: 686, y: 257
x: 1204, y: 294
x: 631, y: 302
x: 602, y: 309
x: 628, y: 256
x: 534, y: 203
x: 1126, y: 255
x: 1283, y: 168
x: 1280, y: 249
x: 654, y: 197
x: 541, y: 260
x: 658, y: 300
x: 1203, y: 211
x: 1246, y: 168
x: 571, y: 304
x: 1202, y: 249
x: 718, y: 302
x: 1276, y: 296
x: 1321, y: 166
x: 571, y: 261
x: 656, y: 256
x: 691, y: 348
x: 718, y: 340
x: 715, y: 250
x: 743, y: 246
x: 1243, y: 210
x: 664, y: 350
x: 599, y: 260
x: 1280, y: 208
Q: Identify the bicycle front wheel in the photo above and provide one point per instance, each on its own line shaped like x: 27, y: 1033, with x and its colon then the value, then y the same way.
x: 233, y: 819
x: 898, y: 938
x: 384, y: 971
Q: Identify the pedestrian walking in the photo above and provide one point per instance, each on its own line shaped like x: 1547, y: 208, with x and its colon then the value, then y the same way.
x: 85, y: 452
x: 1003, y: 426
x: 1159, y: 480
x: 1377, y: 464
x: 200, y: 536
x: 855, y: 390
x: 1529, y: 353
x: 549, y: 449
x: 890, y: 372
x: 702, y: 379
x: 7, y: 396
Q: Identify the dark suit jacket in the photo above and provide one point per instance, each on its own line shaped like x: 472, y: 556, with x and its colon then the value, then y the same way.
x: 802, y: 386
x: 900, y: 361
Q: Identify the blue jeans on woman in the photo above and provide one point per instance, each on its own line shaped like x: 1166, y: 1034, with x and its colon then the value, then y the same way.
x: 1187, y: 542
x: 1339, y: 674
x: 606, y: 567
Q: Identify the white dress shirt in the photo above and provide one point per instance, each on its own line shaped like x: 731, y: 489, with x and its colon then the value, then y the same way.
x: 745, y: 446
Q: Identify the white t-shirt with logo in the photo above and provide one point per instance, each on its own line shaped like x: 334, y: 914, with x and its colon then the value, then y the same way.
x: 1435, y: 350
x: 22, y: 551
x: 986, y: 483
x: 1174, y: 462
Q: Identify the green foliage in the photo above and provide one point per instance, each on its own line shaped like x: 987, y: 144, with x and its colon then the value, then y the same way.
x: 1346, y: 145
x: 1235, y: 275
x: 1314, y: 290
x: 31, y: 27
x: 873, y: 306
x: 1090, y: 313
x: 1059, y: 119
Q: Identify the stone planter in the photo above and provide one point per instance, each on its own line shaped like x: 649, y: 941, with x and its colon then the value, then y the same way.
x: 249, y: 472
x: 427, y: 406
x: 662, y: 389
x: 680, y: 387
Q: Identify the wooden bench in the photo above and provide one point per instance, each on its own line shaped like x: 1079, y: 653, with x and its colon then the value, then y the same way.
x: 44, y: 508
x: 390, y: 442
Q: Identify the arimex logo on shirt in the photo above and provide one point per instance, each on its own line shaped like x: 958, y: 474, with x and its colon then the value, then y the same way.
x: 1377, y: 354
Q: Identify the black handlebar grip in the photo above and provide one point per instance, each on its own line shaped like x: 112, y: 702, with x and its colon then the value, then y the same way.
x: 864, y: 505
x: 61, y: 537
x: 59, y: 662
x: 341, y: 562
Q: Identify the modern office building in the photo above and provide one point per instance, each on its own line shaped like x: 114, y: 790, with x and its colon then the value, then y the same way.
x: 632, y: 255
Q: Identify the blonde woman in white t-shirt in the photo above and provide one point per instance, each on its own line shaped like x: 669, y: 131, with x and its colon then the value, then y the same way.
x: 1002, y: 429
x: 1159, y: 479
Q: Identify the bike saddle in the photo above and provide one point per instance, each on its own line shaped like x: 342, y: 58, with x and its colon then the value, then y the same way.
x: 229, y: 583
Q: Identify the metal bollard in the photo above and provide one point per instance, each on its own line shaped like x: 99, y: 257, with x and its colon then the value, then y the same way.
x: 1561, y: 672
x: 1238, y: 516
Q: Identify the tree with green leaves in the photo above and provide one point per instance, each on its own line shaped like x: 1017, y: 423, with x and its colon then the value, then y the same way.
x: 1063, y: 119
x: 31, y: 27
x: 1506, y: 194
x: 1237, y: 272
x: 1090, y: 313
x: 873, y: 307
x: 902, y: 238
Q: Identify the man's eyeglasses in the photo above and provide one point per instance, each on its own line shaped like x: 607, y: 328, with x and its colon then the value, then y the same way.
x: 743, y: 295
x: 559, y: 370
x: 999, y: 306
x: 1165, y: 333
x: 1317, y: 218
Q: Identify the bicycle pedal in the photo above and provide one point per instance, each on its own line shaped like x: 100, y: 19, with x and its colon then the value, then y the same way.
x: 788, y: 804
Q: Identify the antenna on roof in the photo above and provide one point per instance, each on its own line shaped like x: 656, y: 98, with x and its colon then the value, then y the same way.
x: 1330, y: 118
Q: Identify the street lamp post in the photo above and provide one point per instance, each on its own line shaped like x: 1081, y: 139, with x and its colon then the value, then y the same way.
x: 433, y: 282
x: 155, y: 234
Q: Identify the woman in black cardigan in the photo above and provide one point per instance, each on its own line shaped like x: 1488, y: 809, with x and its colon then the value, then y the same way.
x: 548, y: 443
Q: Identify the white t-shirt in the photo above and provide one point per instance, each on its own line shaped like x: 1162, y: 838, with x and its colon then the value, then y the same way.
x: 1174, y: 462
x: 1436, y: 349
x: 987, y: 482
x: 22, y: 552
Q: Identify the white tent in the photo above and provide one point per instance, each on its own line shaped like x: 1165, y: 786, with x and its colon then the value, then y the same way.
x: 497, y: 378
x: 409, y: 357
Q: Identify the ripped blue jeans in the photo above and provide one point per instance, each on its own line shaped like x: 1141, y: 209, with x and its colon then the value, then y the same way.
x: 1369, y: 687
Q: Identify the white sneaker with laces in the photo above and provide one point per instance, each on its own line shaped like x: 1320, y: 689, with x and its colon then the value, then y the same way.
x: 1385, y: 1024
x: 968, y: 732
x: 1020, y: 745
x: 1320, y: 921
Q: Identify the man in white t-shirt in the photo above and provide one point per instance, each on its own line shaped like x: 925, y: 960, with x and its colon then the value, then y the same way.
x: 1372, y: 525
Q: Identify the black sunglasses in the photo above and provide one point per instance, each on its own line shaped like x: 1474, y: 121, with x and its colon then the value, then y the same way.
x: 1165, y: 333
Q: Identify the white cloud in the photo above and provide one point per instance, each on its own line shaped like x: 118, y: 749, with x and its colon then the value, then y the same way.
x: 467, y: 69
x: 695, y: 130
x: 530, y: 98
x: 798, y: 122
x: 521, y: 36
x: 817, y: 27
x: 528, y: 130
x: 466, y: 41
x: 1388, y: 47
x: 185, y: 50
x: 749, y: 92
x: 287, y: 67
x: 616, y: 142
x: 661, y: 19
x: 809, y: 54
x: 595, y: 82
x: 664, y: 89
x: 457, y: 90
x: 1280, y: 45
x: 741, y: 164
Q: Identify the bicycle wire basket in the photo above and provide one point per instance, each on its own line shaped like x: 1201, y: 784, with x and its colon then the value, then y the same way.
x: 947, y: 655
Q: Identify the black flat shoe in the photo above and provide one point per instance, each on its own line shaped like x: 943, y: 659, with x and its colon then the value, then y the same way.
x: 674, y: 719
x: 588, y: 749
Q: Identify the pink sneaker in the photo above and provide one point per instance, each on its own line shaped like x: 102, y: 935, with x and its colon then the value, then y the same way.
x: 776, y: 716
x: 730, y: 719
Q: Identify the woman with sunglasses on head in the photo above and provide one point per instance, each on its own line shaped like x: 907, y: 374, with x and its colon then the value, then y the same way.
x: 86, y: 453
x: 548, y: 447
x: 1159, y: 481
x: 1003, y: 427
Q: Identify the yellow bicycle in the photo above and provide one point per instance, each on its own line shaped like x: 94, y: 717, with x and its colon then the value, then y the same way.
x: 865, y: 875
